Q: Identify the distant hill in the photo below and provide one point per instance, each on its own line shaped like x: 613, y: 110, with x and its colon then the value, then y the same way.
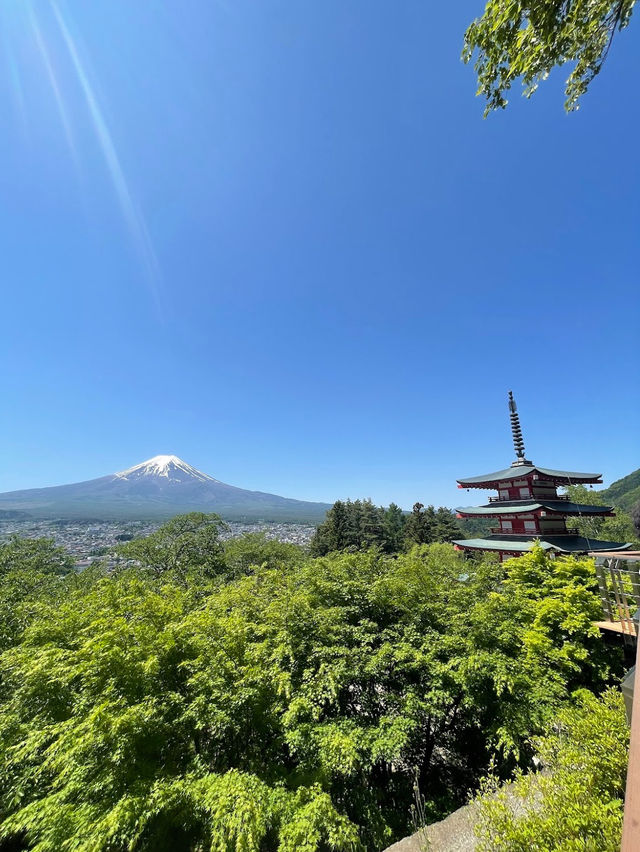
x: 161, y: 487
x: 624, y: 493
x: 13, y: 515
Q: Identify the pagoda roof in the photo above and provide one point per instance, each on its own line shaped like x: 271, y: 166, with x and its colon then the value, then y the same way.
x: 559, y: 543
x: 494, y: 544
x: 521, y: 507
x: 521, y: 471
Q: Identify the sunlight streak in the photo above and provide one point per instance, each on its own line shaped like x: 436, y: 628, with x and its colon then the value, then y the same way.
x: 53, y: 81
x: 132, y: 216
x: 16, y: 81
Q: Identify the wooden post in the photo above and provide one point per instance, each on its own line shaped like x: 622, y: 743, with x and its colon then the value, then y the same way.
x: 625, y: 615
x: 635, y: 585
x: 604, y: 590
x: 631, y: 824
x: 616, y: 592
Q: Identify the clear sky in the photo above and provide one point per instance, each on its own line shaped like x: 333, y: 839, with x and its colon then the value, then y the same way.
x: 278, y: 239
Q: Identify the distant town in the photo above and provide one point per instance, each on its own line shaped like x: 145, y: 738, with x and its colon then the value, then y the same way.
x: 91, y: 541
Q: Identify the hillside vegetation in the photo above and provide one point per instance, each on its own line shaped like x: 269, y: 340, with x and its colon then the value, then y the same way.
x: 250, y: 698
x: 578, y: 802
x: 624, y: 493
x: 619, y: 528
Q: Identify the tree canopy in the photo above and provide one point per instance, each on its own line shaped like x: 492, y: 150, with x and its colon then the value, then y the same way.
x: 39, y: 555
x: 515, y: 40
x: 185, y: 543
x: 359, y: 525
x: 252, y: 550
x: 290, y: 708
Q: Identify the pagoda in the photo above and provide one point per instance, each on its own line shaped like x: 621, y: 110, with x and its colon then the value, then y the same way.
x: 528, y: 508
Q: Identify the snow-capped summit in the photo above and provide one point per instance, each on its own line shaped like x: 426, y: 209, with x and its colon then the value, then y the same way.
x: 169, y: 467
x: 160, y: 487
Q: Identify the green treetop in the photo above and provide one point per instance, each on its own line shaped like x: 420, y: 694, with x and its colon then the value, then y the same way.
x: 360, y: 525
x: 427, y: 525
x: 246, y: 552
x: 516, y: 39
x: 186, y: 543
x: 40, y: 555
x: 288, y: 710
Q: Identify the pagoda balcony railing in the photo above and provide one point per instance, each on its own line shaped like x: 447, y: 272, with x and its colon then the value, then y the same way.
x: 529, y: 497
x: 500, y: 531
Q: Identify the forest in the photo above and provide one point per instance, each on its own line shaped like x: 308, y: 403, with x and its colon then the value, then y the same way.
x: 247, y: 696
x: 359, y: 525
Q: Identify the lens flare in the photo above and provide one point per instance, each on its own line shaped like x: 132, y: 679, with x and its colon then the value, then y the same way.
x: 53, y: 81
x: 132, y: 216
x: 17, y: 91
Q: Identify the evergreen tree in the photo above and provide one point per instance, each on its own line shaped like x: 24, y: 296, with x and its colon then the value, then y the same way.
x: 418, y: 528
x: 393, y: 522
x: 319, y: 544
x: 446, y: 526
x: 360, y: 525
x: 371, y: 526
x: 333, y: 533
x: 338, y: 525
x: 355, y: 524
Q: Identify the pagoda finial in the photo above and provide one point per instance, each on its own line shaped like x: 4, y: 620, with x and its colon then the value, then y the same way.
x: 516, y: 430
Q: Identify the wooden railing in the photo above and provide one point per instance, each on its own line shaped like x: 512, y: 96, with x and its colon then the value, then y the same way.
x: 619, y: 584
x: 537, y: 499
x: 631, y: 824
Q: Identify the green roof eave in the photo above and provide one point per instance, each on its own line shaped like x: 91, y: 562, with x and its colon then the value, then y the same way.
x: 521, y: 471
x: 497, y: 544
x: 496, y: 509
x: 512, y: 507
x: 559, y: 543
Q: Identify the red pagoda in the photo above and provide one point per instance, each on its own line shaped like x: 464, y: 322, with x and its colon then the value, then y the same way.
x: 528, y: 507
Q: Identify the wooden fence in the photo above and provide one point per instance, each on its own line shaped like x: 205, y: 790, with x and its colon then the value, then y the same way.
x: 619, y: 584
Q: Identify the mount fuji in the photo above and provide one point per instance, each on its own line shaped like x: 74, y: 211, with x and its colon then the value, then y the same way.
x: 158, y: 488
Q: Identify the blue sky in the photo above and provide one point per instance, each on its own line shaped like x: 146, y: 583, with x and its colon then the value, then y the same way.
x: 277, y: 239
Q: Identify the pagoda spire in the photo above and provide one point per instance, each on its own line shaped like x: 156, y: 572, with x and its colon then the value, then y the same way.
x: 516, y: 429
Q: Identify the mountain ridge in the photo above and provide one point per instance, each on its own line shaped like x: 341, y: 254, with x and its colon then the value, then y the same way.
x: 623, y: 493
x: 159, y: 487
